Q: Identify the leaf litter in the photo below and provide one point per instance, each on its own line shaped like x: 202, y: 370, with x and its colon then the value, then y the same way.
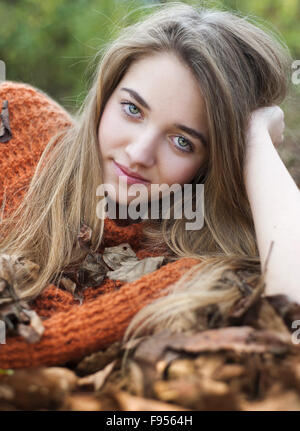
x: 241, y: 359
x: 116, y: 263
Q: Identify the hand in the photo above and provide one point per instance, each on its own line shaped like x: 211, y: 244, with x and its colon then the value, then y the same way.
x: 272, y: 119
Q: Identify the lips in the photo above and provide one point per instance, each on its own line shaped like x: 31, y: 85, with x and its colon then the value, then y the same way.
x: 130, y: 173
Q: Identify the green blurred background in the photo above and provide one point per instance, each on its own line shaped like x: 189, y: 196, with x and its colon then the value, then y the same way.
x: 51, y: 43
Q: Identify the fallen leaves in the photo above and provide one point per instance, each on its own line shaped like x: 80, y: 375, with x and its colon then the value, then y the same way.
x: 38, y: 388
x: 238, y: 358
x: 96, y: 380
x: 230, y: 368
x: 117, y: 263
x: 234, y: 368
x: 97, y: 361
x: 131, y: 271
x: 19, y: 319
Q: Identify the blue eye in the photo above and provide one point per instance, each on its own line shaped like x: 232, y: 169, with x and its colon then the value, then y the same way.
x: 181, y: 147
x: 132, y: 109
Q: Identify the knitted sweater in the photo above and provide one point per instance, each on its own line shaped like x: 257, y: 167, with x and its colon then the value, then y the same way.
x: 71, y: 330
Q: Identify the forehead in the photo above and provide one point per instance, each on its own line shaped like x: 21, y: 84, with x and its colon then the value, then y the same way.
x: 166, y: 82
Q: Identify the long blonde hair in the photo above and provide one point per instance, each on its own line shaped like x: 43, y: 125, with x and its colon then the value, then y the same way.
x: 239, y: 67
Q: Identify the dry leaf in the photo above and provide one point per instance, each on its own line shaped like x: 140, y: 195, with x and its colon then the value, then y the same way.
x: 204, y: 394
x: 84, y: 237
x: 68, y: 284
x: 97, y: 361
x: 131, y: 271
x: 136, y: 379
x: 82, y: 402
x: 20, y: 320
x: 121, y: 259
x: 152, y: 349
x: 277, y: 399
x: 91, y: 272
x: 97, y: 379
x: 114, y: 257
x: 181, y: 368
x: 238, y: 339
x: 263, y: 316
x: 16, y: 313
x: 288, y: 310
x: 14, y: 274
x: 39, y: 388
x: 34, y: 330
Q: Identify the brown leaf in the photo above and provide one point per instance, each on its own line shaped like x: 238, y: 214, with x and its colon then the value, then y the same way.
x: 33, y: 331
x: 181, y: 368
x: 20, y: 320
x: 263, y: 316
x: 16, y: 313
x: 97, y: 379
x: 91, y: 272
x: 15, y: 273
x: 287, y: 309
x: 97, y: 361
x: 82, y: 402
x: 5, y: 132
x: 135, y: 383
x: 152, y: 349
x: 68, y: 284
x: 133, y: 270
x: 39, y: 388
x: 72, y: 287
x: 190, y: 392
x: 276, y: 400
x: 84, y: 237
x: 239, y: 339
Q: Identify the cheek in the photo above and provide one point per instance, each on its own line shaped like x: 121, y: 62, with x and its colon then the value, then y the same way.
x: 182, y: 172
x: 108, y: 130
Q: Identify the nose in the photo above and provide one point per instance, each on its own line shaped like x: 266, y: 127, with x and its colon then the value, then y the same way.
x: 142, y: 150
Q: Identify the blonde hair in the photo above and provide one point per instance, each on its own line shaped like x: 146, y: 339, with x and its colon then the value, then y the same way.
x: 239, y: 67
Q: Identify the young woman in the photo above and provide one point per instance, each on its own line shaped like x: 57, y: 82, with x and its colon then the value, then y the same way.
x: 185, y: 96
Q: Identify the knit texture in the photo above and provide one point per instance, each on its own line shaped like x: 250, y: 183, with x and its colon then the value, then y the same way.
x: 71, y: 330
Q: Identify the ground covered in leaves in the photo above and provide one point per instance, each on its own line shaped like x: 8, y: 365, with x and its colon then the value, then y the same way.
x: 251, y: 364
x: 245, y: 360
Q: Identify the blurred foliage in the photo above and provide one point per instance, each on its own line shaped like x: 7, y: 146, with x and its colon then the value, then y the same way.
x: 50, y: 44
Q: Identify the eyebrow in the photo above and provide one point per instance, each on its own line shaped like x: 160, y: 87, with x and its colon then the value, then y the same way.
x: 186, y: 129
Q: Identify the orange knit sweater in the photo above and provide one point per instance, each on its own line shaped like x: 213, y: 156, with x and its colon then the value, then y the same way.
x: 71, y: 330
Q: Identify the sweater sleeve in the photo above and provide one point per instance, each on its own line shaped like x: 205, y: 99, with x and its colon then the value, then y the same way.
x: 80, y: 330
x: 33, y: 118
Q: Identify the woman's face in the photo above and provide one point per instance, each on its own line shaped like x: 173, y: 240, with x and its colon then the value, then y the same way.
x: 154, y: 124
